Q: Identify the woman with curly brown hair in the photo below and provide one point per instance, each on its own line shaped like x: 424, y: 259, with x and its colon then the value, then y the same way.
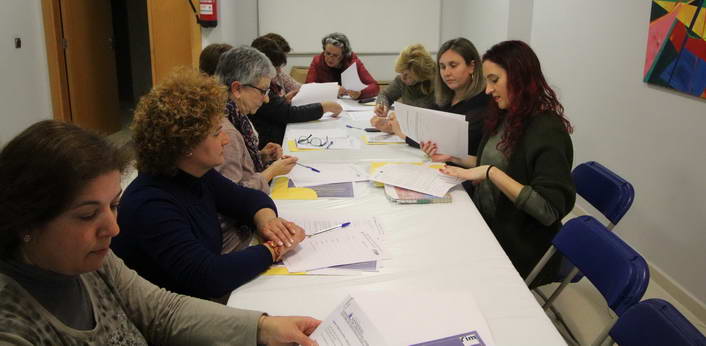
x: 61, y: 285
x: 523, y: 169
x: 169, y: 213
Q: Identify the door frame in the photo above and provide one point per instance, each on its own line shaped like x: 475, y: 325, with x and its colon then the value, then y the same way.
x: 58, y: 76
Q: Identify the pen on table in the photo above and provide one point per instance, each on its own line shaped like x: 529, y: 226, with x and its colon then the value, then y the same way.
x: 309, y: 167
x: 353, y: 127
x: 345, y: 224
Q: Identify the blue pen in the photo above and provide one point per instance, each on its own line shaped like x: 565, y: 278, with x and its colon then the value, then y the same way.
x: 345, y: 224
x: 309, y: 167
x: 353, y: 127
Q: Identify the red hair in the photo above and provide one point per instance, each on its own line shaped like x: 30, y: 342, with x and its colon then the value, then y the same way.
x: 528, y: 93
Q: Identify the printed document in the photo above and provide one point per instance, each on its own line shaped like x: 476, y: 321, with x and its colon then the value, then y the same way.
x: 448, y: 130
x: 350, y: 79
x: 416, y: 178
x: 328, y: 173
x: 347, y: 325
x: 315, y: 93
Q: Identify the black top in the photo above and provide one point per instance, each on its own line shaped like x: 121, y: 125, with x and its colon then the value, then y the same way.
x: 171, y: 234
x: 272, y: 118
x: 474, y: 109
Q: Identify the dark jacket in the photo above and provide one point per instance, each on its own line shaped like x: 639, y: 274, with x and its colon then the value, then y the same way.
x: 542, y: 158
x: 319, y: 72
x: 171, y: 235
x: 271, y: 118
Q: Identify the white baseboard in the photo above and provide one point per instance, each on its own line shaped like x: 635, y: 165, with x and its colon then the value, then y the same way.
x: 681, y: 295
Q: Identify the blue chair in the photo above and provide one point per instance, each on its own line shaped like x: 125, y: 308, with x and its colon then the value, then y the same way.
x: 604, y: 190
x: 618, y: 272
x: 655, y: 322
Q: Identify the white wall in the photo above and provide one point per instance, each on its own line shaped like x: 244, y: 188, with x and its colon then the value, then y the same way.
x: 594, y: 54
x: 24, y: 79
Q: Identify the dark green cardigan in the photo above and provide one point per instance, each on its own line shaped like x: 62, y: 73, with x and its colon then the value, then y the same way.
x: 542, y: 158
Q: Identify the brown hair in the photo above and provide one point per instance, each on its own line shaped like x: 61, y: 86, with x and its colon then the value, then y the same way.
x: 416, y: 59
x: 174, y: 117
x: 281, y: 42
x: 271, y: 49
x: 43, y: 170
x: 208, y: 60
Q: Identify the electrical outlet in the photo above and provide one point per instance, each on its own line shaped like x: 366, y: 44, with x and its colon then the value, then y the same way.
x: 18, y: 43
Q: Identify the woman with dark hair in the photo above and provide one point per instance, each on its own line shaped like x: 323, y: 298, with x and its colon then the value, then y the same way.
x: 336, y: 57
x: 169, y: 214
x: 458, y: 88
x: 523, y: 169
x: 61, y: 285
x: 271, y: 118
x: 288, y: 84
x: 208, y: 60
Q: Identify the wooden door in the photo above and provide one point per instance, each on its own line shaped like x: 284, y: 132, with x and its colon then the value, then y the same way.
x: 90, y: 64
x: 175, y: 37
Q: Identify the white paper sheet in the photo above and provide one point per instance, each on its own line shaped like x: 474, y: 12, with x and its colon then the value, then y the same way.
x: 448, y: 130
x: 315, y: 93
x: 416, y: 178
x: 350, y: 79
x: 351, y: 105
x: 361, y: 116
x: 336, y: 139
x: 359, y: 242
x: 329, y: 173
x: 348, y: 325
x: 384, y: 138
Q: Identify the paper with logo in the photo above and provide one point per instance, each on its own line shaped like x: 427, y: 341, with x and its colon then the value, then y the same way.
x: 464, y: 339
x: 348, y: 325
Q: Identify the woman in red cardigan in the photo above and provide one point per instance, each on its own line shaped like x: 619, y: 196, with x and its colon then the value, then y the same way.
x: 336, y: 58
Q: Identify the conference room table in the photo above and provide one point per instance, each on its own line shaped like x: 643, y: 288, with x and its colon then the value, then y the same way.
x: 436, y: 249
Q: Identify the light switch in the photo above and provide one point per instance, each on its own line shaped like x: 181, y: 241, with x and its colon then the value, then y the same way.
x: 18, y: 43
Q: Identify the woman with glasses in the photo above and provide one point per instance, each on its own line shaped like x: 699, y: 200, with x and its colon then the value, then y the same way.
x: 271, y: 118
x: 413, y: 85
x: 170, y: 213
x: 247, y: 74
x: 59, y: 281
x: 336, y: 57
x: 522, y: 172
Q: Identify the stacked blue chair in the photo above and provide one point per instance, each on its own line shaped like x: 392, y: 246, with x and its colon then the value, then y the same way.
x: 655, y: 322
x: 604, y: 190
x: 618, y: 272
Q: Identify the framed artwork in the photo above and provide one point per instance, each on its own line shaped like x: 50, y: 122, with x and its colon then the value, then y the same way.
x: 676, y: 46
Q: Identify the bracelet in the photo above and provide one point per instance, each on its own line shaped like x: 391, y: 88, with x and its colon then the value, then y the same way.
x: 275, y: 250
x: 487, y: 172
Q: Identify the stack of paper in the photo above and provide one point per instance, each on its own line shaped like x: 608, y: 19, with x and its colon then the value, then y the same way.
x: 451, y: 318
x: 315, y: 93
x: 358, y: 246
x: 416, y: 178
x: 448, y: 130
x: 323, y: 139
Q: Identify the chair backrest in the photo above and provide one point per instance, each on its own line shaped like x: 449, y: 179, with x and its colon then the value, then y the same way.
x: 655, y: 322
x: 299, y: 73
x: 605, y: 190
x: 614, y: 268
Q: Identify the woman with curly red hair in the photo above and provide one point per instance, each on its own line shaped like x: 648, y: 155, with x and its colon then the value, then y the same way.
x: 522, y: 173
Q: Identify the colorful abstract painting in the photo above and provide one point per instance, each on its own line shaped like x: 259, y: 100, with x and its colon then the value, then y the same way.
x: 676, y: 46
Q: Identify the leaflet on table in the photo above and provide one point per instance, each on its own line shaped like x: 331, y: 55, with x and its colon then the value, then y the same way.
x: 323, y: 139
x: 335, y: 190
x: 413, y: 316
x: 328, y: 173
x: 356, y: 243
x: 351, y: 105
x: 448, y: 130
x: 350, y: 79
x: 315, y: 93
x: 416, y: 178
x: 347, y: 325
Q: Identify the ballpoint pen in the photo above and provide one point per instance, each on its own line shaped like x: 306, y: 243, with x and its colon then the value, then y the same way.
x: 353, y: 127
x: 345, y: 224
x: 309, y: 167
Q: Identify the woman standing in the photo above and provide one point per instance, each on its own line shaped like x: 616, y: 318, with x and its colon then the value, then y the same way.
x: 523, y: 168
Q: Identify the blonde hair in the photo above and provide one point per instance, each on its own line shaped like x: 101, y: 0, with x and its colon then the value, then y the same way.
x: 174, y: 117
x: 443, y: 94
x: 416, y: 59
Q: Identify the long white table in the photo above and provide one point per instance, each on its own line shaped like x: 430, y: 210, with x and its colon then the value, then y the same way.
x: 437, y: 248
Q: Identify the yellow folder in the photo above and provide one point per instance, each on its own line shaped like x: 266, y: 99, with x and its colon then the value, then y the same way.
x: 281, y: 190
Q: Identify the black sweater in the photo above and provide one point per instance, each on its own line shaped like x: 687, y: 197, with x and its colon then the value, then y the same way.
x: 272, y: 118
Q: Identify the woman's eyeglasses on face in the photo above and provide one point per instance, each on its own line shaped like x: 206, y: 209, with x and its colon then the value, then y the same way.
x: 264, y: 92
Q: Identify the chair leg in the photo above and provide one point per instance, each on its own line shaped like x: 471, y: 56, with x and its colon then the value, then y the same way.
x: 542, y: 262
x: 561, y: 287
